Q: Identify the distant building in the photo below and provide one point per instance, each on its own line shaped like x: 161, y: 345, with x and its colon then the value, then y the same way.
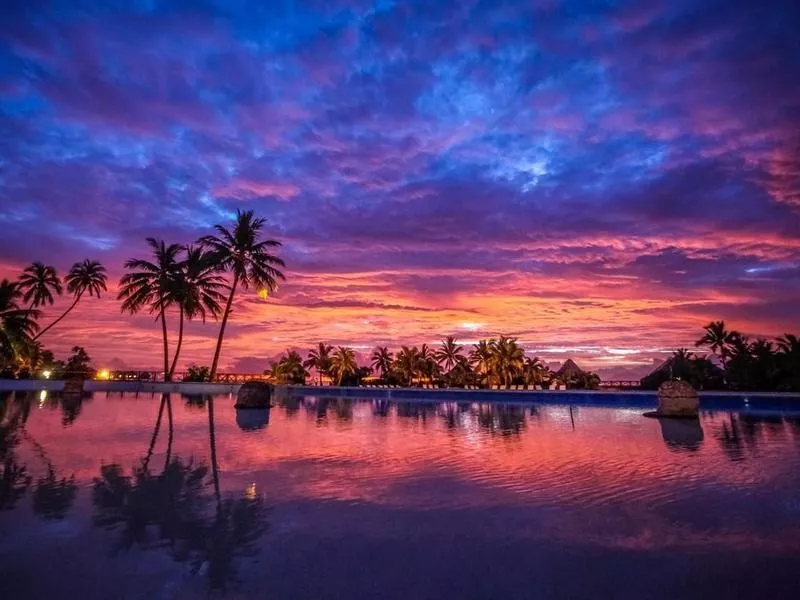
x: 569, y: 370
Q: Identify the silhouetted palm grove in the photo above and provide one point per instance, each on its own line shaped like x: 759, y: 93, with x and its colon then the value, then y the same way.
x: 178, y: 282
x: 495, y: 362
x: 736, y: 363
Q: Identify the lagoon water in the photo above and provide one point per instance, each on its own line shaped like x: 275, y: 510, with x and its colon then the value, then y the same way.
x: 125, y: 496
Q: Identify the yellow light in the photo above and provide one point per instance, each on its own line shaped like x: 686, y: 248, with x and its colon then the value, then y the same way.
x: 42, y: 397
x: 103, y: 374
x: 46, y: 374
x: 250, y: 492
x: 263, y: 293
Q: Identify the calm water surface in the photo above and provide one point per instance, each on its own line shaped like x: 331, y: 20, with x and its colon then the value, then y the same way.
x: 123, y: 496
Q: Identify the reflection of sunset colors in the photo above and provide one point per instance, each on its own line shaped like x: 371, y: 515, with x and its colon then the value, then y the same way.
x: 418, y: 456
x: 599, y: 180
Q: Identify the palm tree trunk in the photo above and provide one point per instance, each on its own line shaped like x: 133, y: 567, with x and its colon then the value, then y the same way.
x: 58, y: 320
x: 153, y: 439
x: 163, y: 315
x: 171, y: 431
x: 178, y: 347
x: 222, y: 328
x: 213, y: 444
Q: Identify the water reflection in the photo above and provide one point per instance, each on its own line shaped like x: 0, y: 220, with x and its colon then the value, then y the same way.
x: 682, y: 434
x: 740, y: 435
x: 180, y: 509
x: 14, y: 476
x: 142, y: 486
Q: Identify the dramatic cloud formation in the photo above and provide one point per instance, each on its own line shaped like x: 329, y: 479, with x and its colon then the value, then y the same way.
x: 597, y: 178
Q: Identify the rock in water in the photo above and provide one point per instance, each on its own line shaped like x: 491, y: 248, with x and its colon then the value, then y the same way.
x: 254, y: 394
x: 73, y: 386
x: 676, y: 399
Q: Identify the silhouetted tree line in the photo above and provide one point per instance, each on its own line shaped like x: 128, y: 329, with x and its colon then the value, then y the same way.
x: 740, y: 363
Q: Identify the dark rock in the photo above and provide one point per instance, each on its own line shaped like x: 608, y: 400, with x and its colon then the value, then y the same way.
x: 73, y: 387
x: 676, y: 399
x: 254, y: 394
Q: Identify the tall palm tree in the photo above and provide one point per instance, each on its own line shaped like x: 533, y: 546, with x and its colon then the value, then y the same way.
x: 39, y: 284
x: 88, y: 276
x: 17, y: 324
x: 382, y: 360
x: 242, y: 252
x: 319, y: 358
x: 449, y: 353
x: 407, y: 363
x: 290, y: 369
x: 717, y: 338
x: 534, y: 370
x: 481, y: 358
x: 508, y: 358
x: 789, y: 344
x: 154, y: 285
x: 343, y: 363
x: 197, y: 292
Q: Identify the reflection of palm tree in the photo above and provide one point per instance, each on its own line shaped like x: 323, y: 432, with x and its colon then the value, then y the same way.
x: 14, y: 477
x: 14, y: 481
x: 84, y: 277
x: 53, y: 497
x: 174, y: 507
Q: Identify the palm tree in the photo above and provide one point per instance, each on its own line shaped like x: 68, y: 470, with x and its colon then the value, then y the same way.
x: 320, y: 359
x: 343, y: 363
x: 789, y: 344
x: 17, y: 325
x: 481, y: 358
x: 290, y: 368
x: 197, y: 292
x: 39, y: 284
x: 448, y: 354
x: 717, y: 338
x: 242, y: 252
x: 508, y: 358
x: 428, y: 366
x: 153, y: 285
x: 533, y: 370
x: 407, y: 363
x: 84, y: 277
x: 382, y: 360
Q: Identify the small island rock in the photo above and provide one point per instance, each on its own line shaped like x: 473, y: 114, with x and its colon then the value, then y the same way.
x: 254, y: 394
x: 677, y: 399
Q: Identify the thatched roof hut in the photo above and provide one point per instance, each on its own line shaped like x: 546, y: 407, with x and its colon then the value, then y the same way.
x: 569, y: 370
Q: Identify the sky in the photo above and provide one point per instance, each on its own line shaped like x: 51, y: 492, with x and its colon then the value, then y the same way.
x: 598, y: 178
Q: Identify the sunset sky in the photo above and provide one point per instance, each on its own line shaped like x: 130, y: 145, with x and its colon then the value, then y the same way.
x: 597, y: 178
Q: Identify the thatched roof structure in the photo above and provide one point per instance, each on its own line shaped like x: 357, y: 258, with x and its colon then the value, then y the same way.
x: 569, y: 370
